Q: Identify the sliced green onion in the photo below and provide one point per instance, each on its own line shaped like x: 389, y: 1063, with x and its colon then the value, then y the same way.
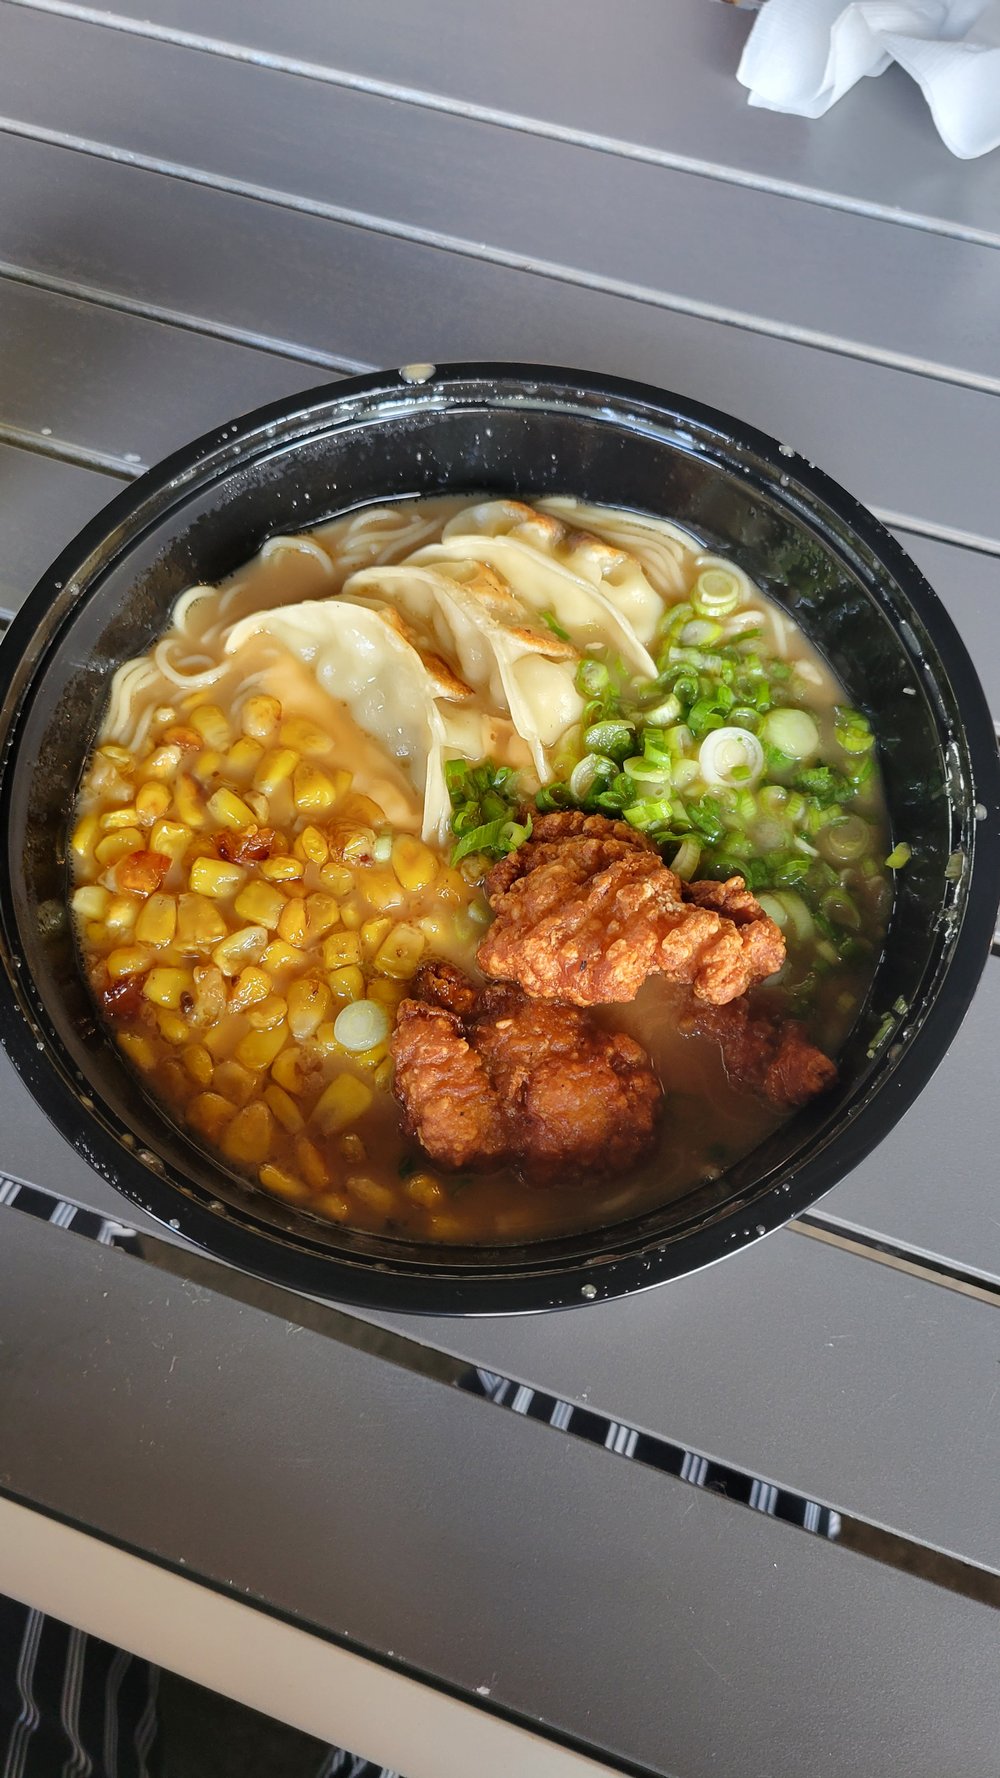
x: 594, y: 772
x: 663, y: 713
x: 685, y: 773
x: 839, y: 908
x: 615, y: 739
x: 700, y: 633
x: 552, y: 622
x: 793, y: 732
x: 853, y: 730
x: 775, y: 909
x: 493, y: 836
x: 686, y: 859
x: 718, y: 590
x: 382, y: 849
x: 800, y: 919
x: 592, y: 678
x: 362, y: 1025
x: 899, y: 856
x: 727, y: 751
x: 845, y: 839
x: 648, y: 771
x: 646, y: 815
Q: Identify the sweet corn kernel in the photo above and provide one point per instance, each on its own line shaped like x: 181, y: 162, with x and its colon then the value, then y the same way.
x: 282, y: 869
x: 244, y: 757
x: 400, y: 954
x: 414, y: 863
x: 322, y: 913
x: 342, y: 1103
x: 243, y: 946
x: 268, y: 1012
x: 163, y: 763
x: 198, y: 1063
x: 383, y: 1075
x: 308, y: 1005
x: 341, y: 948
x: 172, y: 1026
x: 388, y: 993
x: 250, y: 987
x: 352, y: 1148
x: 260, y: 717
x: 85, y: 836
x: 274, y: 768
x: 287, y: 1071
x: 333, y: 1205
x: 115, y: 818
x: 374, y: 933
x: 157, y: 921
x: 305, y: 737
x: 350, y: 916
x: 207, y: 766
x: 248, y: 1138
x: 424, y: 1189
x: 283, y: 1107
x: 259, y: 1048
x: 363, y: 808
x: 117, y: 845
x: 451, y: 887
x: 371, y: 1060
x: 128, y: 960
x: 280, y: 956
x: 371, y: 1193
x: 199, y: 924
x: 292, y: 922
x: 233, y: 1081
x: 211, y: 724
x: 314, y: 846
x: 164, y: 987
x: 138, y: 1050
x: 219, y: 1039
x: 261, y: 903
x: 90, y: 901
x: 313, y: 790
x: 121, y: 914
x: 276, y: 1179
x: 152, y: 801
x: 347, y: 983
x: 119, y: 756
x: 382, y: 889
x: 326, y: 1039
x: 171, y: 838
x: 313, y: 1167
x: 215, y: 876
x: 188, y: 801
x: 353, y: 844
x: 229, y: 810
x: 209, y: 1114
x: 336, y: 879
x: 435, y: 928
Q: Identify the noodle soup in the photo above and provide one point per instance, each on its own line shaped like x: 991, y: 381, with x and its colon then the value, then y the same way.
x: 297, y: 795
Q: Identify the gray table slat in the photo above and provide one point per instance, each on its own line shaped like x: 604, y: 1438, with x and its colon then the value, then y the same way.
x: 43, y: 502
x: 659, y: 77
x: 483, y: 1547
x: 682, y: 240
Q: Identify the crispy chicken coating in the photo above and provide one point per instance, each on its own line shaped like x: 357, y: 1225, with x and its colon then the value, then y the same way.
x: 494, y: 1078
x: 585, y: 910
x: 770, y: 1055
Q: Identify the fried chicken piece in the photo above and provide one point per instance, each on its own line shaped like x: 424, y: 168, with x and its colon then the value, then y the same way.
x: 517, y: 1081
x: 586, y: 909
x: 771, y: 1055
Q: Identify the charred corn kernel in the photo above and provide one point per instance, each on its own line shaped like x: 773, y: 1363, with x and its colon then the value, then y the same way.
x: 383, y: 1075
x: 362, y: 808
x: 157, y: 920
x: 389, y: 993
x: 314, y: 846
x: 249, y: 989
x: 332, y: 1204
x: 229, y: 810
x: 152, y: 801
x: 341, y: 948
x: 215, y: 877
x: 336, y: 879
x: 371, y: 1193
x: 274, y: 768
x: 352, y: 1148
x: 172, y: 1026
x: 347, y: 983
x: 350, y: 916
x: 117, y: 845
x: 90, y: 901
x: 243, y: 946
x: 259, y: 804
x: 138, y: 1050
x: 268, y: 1012
x: 209, y: 1113
x: 244, y: 757
x: 233, y: 1081
x: 284, y: 1184
x: 342, y: 1103
x: 209, y: 994
x: 260, y: 717
x: 282, y: 869
x: 199, y: 924
x: 116, y: 818
x: 171, y: 838
x: 199, y: 1065
x: 424, y: 1189
x: 163, y: 763
x: 280, y: 956
x: 164, y: 987
x: 414, y: 863
x: 248, y: 1138
x: 381, y: 889
x: 304, y: 736
x: 283, y: 1107
x: 308, y: 1005
x: 261, y: 903
x: 128, y: 960
x: 322, y: 913
x: 313, y: 790
x: 121, y: 914
x: 292, y: 921
x: 211, y: 724
x: 353, y: 844
x: 313, y: 1167
x: 287, y: 1071
x: 259, y: 1048
x: 400, y: 954
x: 85, y: 836
x: 374, y: 933
x: 207, y: 766
x: 188, y: 801
x: 451, y: 887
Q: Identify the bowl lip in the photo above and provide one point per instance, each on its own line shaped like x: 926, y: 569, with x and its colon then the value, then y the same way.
x: 434, y: 1286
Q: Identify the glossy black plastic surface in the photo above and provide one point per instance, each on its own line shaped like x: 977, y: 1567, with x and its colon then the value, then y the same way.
x: 527, y: 431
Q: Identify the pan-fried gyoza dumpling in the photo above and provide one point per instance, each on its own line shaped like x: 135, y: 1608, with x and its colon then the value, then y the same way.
x: 364, y: 660
x: 662, y: 549
x: 466, y: 610
x: 607, y: 566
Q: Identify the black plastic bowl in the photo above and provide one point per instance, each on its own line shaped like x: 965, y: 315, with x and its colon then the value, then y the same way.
x: 511, y: 430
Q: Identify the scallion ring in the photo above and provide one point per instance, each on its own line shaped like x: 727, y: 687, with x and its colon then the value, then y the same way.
x: 731, y: 756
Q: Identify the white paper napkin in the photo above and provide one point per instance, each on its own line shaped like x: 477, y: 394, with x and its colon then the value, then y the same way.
x: 803, y: 55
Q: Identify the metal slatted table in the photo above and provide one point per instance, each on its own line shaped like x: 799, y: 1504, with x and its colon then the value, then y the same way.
x: 747, y: 1522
